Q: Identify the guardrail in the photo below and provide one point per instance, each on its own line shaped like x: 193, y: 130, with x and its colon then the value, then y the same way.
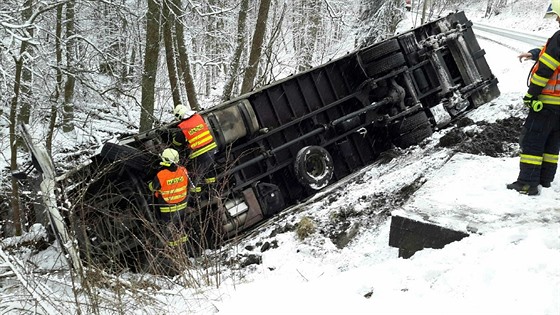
x: 529, y: 38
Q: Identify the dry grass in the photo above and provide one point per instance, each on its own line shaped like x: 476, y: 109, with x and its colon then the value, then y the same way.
x: 305, y: 228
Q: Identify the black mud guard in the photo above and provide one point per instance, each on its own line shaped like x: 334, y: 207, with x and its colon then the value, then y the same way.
x: 270, y: 198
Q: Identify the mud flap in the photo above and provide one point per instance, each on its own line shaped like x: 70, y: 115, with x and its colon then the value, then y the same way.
x: 270, y: 198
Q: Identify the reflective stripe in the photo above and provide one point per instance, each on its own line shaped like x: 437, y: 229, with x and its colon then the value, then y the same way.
x: 530, y: 159
x: 210, y: 180
x: 538, y: 80
x: 196, y: 189
x: 180, y: 241
x: 174, y: 194
x: 553, y: 85
x: 179, y: 197
x: 207, y: 148
x: 549, y: 99
x: 550, y: 158
x: 173, y: 208
x: 177, y: 143
x: 549, y: 61
x: 204, y: 137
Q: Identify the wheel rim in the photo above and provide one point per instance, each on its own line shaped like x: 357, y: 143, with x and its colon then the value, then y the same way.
x: 316, y: 166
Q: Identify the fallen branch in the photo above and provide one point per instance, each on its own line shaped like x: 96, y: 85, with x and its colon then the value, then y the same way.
x: 38, y: 291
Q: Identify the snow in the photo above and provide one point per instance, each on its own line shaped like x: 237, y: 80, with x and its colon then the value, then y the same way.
x: 509, y: 265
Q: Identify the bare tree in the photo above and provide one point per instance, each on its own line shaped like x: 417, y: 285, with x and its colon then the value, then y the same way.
x: 19, y: 105
x: 184, y: 63
x: 22, y: 81
x: 26, y: 72
x: 494, y: 7
x: 307, y: 21
x: 151, y: 56
x: 59, y: 77
x: 256, y: 47
x: 241, y: 40
x: 378, y: 20
x: 170, y: 55
x: 16, y: 210
x: 68, y: 115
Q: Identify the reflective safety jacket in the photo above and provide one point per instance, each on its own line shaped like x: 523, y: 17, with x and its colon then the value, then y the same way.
x: 170, y: 188
x: 545, y: 76
x: 195, y: 131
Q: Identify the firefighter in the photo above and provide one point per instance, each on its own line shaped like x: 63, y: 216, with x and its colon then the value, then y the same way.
x: 540, y: 137
x: 170, y: 192
x: 195, y: 136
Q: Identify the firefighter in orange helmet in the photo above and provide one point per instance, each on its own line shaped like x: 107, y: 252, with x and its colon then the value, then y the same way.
x: 170, y: 192
x: 195, y: 135
x: 540, y: 137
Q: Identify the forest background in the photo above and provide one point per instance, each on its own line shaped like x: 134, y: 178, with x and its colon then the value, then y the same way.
x: 66, y: 64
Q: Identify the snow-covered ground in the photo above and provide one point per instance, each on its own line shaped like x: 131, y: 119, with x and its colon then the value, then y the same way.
x: 510, y: 266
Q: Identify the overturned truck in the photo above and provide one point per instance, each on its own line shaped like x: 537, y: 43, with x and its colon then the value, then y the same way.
x: 280, y: 144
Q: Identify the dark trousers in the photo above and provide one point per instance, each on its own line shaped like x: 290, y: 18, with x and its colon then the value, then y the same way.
x: 172, y: 225
x: 540, y: 137
x: 201, y: 168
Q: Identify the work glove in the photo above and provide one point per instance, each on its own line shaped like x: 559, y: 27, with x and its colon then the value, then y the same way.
x: 532, y: 102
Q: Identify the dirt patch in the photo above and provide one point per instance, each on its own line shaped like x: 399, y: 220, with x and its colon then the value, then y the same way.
x: 499, y: 139
x: 344, y: 224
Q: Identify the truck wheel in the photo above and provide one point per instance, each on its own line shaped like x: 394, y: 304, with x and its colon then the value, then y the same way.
x: 414, y: 137
x: 383, y: 65
x: 379, y: 50
x: 408, y: 124
x: 411, y: 130
x: 313, y: 167
x: 110, y: 223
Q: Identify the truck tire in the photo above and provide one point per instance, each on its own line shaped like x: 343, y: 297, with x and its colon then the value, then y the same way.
x: 410, y: 130
x: 379, y: 50
x: 313, y: 167
x: 383, y: 65
x: 408, y: 124
x: 412, y: 138
x: 130, y: 156
x: 112, y: 223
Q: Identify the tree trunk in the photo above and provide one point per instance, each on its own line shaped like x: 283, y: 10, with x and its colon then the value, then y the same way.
x: 236, y: 59
x: 168, y: 24
x: 424, y: 9
x: 22, y: 90
x: 256, y: 47
x: 150, y: 65
x: 68, y: 120
x: 310, y: 21
x: 270, y: 51
x: 58, y: 88
x: 184, y: 64
x: 26, y: 73
x: 15, y: 211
